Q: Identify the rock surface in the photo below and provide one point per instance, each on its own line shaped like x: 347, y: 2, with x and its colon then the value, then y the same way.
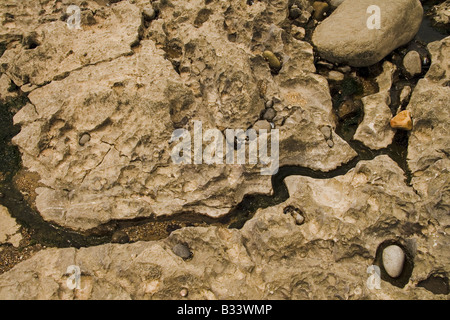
x: 441, y: 14
x: 9, y: 229
x: 272, y: 257
x: 345, y: 38
x: 132, y: 99
x: 203, y: 60
x: 429, y: 149
x: 374, y: 131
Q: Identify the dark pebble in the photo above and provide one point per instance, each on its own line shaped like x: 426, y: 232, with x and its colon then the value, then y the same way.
x: 182, y: 251
x: 294, y: 12
x: 269, y: 114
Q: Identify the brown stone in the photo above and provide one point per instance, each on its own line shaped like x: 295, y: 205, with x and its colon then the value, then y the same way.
x: 402, y: 121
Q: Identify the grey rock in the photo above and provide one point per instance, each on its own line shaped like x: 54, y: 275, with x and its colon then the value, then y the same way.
x: 345, y: 38
x: 269, y: 114
x: 262, y: 124
x: 405, y: 94
x: 326, y: 131
x: 184, y: 292
x: 330, y: 143
x: 269, y: 104
x: 85, y: 138
x: 299, y: 219
x: 412, y: 63
x: 182, y: 251
x: 335, y: 76
x: 393, y: 260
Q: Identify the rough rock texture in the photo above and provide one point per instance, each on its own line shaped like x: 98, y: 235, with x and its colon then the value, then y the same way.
x: 270, y: 258
x: 345, y: 38
x: 5, y: 85
x: 441, y: 14
x: 60, y: 50
x: 429, y: 148
x: 429, y: 105
x: 98, y: 134
x: 9, y: 229
x: 375, y: 131
x: 131, y: 104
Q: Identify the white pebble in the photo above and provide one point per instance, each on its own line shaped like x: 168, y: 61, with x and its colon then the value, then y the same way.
x: 393, y: 260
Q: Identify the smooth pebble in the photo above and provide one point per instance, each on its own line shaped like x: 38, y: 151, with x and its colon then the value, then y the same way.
x: 269, y: 114
x: 326, y: 131
x: 85, y: 138
x: 393, y: 260
x: 330, y: 143
x: 182, y: 251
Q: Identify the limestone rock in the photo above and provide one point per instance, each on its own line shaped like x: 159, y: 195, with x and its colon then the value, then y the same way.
x: 5, y: 85
x: 262, y: 124
x: 335, y: 76
x: 428, y: 151
x: 429, y: 106
x: 9, y: 229
x: 374, y: 131
x: 405, y: 94
x: 298, y: 32
x: 61, y: 50
x: 441, y: 14
x: 348, y: 217
x: 131, y: 103
x: 345, y: 38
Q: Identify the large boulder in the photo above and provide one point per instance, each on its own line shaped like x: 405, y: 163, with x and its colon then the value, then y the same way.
x: 345, y: 37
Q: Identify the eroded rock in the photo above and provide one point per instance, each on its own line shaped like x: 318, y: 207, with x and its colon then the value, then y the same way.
x: 9, y: 229
x: 348, y: 216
